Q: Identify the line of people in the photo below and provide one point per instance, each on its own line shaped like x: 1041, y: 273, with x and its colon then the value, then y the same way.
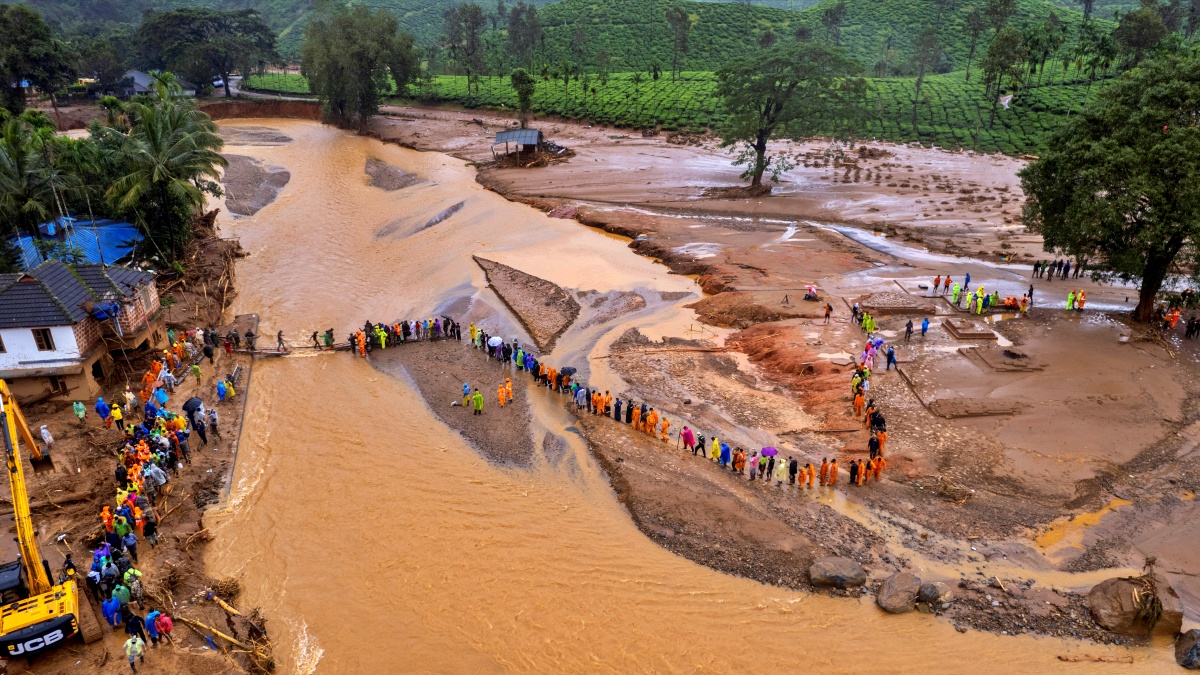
x: 378, y: 335
x: 763, y: 464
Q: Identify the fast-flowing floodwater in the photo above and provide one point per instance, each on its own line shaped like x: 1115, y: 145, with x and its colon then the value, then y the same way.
x: 377, y: 541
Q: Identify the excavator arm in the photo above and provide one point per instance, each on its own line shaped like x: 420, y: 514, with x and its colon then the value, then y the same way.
x: 47, y: 614
x: 31, y: 557
x: 35, y: 449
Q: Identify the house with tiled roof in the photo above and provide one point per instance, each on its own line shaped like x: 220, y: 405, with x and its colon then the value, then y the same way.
x: 62, y: 327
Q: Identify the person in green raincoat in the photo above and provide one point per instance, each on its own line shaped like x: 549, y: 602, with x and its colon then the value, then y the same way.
x: 1071, y: 300
x: 80, y: 411
x: 954, y: 293
x: 477, y: 402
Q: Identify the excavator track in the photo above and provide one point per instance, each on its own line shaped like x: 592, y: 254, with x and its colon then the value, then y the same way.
x: 89, y: 626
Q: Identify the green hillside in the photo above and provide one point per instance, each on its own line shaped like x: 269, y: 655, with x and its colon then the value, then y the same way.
x: 952, y: 114
x: 635, y: 32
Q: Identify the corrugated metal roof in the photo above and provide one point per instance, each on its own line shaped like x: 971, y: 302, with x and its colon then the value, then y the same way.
x: 519, y: 136
x: 54, y: 294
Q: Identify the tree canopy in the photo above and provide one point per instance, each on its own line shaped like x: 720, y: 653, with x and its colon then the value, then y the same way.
x: 201, y: 44
x: 797, y: 90
x: 1122, y: 180
x: 525, y: 86
x: 30, y: 52
x: 347, y: 57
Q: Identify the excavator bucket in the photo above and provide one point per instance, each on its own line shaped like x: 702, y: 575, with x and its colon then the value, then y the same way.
x: 39, y: 457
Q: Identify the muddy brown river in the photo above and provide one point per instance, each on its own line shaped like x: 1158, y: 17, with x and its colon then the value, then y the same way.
x: 377, y: 541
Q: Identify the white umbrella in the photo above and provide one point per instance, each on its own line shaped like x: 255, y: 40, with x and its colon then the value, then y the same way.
x: 495, y: 342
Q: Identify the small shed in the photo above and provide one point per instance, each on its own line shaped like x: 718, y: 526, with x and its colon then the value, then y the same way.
x: 522, y: 138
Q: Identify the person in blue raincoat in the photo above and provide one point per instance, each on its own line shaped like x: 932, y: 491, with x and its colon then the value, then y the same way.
x: 724, y: 455
x: 102, y: 409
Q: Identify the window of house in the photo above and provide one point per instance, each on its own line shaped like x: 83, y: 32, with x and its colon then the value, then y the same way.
x: 58, y: 384
x: 44, y: 340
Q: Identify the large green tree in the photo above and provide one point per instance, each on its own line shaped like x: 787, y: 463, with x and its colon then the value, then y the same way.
x: 347, y: 57
x: 796, y: 91
x: 29, y: 52
x: 464, y: 41
x: 525, y: 85
x: 205, y: 43
x: 681, y: 24
x: 525, y: 34
x: 1139, y: 33
x: 1122, y: 179
x: 924, y: 56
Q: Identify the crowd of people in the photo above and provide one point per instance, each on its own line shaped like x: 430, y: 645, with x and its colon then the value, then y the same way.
x: 378, y: 335
x: 155, y: 448
x: 764, y: 464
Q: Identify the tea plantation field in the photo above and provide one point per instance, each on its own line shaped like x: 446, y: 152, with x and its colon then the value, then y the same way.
x: 952, y: 113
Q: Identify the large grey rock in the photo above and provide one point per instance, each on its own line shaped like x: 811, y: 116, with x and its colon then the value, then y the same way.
x: 1187, y: 650
x: 837, y: 572
x: 1112, y: 606
x: 935, y: 592
x: 898, y: 593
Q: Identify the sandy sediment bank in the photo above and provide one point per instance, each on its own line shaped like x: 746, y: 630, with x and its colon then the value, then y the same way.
x: 544, y: 309
x: 438, y: 370
x: 249, y: 185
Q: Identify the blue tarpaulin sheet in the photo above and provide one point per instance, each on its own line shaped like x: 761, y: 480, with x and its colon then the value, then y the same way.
x: 116, y: 240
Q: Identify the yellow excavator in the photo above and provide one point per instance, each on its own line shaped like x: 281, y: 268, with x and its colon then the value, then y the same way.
x: 37, y: 615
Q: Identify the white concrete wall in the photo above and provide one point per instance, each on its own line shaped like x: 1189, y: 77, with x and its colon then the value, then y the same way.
x: 19, y: 346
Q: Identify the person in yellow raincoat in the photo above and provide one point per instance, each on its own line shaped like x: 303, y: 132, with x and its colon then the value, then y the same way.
x: 715, y: 453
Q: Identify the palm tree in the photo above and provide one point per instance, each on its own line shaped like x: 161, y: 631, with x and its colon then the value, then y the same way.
x: 170, y: 158
x: 31, y: 182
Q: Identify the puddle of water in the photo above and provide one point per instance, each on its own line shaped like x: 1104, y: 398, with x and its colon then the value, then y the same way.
x: 699, y: 249
x: 1069, y: 532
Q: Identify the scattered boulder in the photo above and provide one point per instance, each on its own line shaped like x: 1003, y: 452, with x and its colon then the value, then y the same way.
x: 898, y: 594
x: 934, y: 593
x: 1187, y: 650
x: 837, y: 572
x: 1113, y: 607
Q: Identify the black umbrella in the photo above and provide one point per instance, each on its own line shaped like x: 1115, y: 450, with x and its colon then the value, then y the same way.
x: 569, y: 370
x: 192, y: 405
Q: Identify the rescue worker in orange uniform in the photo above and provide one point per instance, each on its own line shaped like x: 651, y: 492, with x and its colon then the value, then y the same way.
x: 739, y: 458
x: 666, y: 424
x: 858, y: 404
x: 508, y: 388
x: 502, y: 394
x: 824, y: 471
x: 862, y: 471
x: 637, y: 419
x: 651, y: 421
x: 812, y: 474
x: 607, y: 403
x: 833, y: 472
